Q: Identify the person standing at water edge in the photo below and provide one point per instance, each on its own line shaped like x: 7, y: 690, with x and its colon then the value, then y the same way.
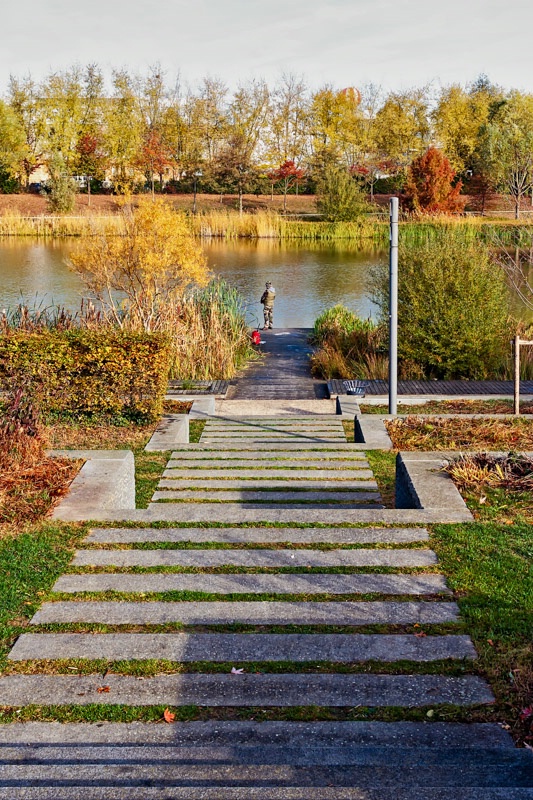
x: 267, y: 300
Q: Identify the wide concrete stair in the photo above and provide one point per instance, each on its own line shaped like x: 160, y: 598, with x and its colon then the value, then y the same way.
x: 253, y: 623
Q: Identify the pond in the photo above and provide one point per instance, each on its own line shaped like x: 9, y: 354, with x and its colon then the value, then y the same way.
x: 307, y: 278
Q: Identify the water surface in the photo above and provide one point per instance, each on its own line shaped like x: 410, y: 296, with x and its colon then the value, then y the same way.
x: 307, y: 279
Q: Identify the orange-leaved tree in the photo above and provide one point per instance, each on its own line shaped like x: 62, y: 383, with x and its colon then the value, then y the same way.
x: 429, y: 187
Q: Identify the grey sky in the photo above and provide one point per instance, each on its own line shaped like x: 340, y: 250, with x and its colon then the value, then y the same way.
x: 345, y: 42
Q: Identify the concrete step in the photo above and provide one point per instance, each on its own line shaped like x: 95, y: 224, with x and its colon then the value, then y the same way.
x: 227, y: 483
x: 241, y: 648
x: 257, y: 535
x: 290, y: 455
x: 299, y: 495
x: 247, y: 612
x: 125, y: 789
x: 233, y: 733
x: 254, y: 584
x: 280, y: 690
x: 273, y: 470
x: 263, y: 462
x: 285, y: 446
x: 256, y: 558
x: 158, y: 789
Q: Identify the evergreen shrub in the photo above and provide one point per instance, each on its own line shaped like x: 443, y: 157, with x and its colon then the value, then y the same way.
x: 85, y: 372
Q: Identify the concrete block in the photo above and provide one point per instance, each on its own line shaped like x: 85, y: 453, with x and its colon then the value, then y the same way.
x: 106, y: 481
x: 172, y: 430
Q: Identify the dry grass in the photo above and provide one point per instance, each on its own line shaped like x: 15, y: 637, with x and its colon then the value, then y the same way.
x: 452, y: 407
x: 423, y: 433
x: 509, y: 471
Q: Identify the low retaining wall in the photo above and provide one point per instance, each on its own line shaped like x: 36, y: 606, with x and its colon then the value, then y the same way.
x: 421, y: 483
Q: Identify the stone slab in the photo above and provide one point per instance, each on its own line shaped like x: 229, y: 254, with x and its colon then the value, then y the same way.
x: 319, y: 447
x: 256, y: 483
x: 267, y: 463
x: 106, y: 480
x: 421, y: 483
x: 263, y: 535
x: 202, y: 407
x: 299, y: 407
x: 239, y: 648
x: 370, y: 430
x: 118, y: 789
x: 255, y: 558
x: 247, y: 612
x: 358, y: 583
x: 272, y: 472
x: 266, y: 495
x: 235, y: 514
x: 173, y: 429
x: 229, y: 732
x: 212, y: 690
x: 281, y: 455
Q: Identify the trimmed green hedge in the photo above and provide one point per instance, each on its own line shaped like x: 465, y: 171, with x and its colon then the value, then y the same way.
x: 79, y: 371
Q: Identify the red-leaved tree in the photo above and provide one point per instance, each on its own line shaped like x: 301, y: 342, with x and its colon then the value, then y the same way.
x: 429, y: 187
x: 287, y: 175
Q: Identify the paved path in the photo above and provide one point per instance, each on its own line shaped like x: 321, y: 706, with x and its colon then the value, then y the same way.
x: 283, y: 372
x: 236, y: 624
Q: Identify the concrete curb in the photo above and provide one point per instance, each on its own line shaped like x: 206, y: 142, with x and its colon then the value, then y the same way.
x: 106, y: 481
x: 421, y: 483
x: 173, y: 429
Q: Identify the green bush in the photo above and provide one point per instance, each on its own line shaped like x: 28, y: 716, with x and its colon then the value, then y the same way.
x: 84, y: 372
x: 348, y: 347
x: 453, y: 309
x: 339, y: 197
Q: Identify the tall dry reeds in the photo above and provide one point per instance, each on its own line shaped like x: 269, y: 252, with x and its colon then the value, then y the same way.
x: 51, y: 226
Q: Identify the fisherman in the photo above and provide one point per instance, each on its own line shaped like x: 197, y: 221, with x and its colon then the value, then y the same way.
x: 267, y: 300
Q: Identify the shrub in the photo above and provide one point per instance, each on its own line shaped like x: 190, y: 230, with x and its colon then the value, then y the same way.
x: 105, y: 371
x: 340, y: 198
x: 349, y: 347
x: 453, y: 308
x: 62, y: 189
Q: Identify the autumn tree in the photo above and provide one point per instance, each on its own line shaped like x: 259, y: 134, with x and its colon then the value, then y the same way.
x: 123, y: 131
x: 287, y: 174
x: 287, y: 131
x: 12, y: 148
x: 401, y: 126
x: 25, y: 101
x: 429, y: 187
x: 90, y: 156
x: 507, y: 145
x: 151, y: 264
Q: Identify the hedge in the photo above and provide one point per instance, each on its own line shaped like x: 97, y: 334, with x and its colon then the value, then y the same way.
x: 105, y: 371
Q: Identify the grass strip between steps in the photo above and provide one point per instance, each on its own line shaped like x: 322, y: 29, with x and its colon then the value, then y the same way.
x: 118, y: 713
x: 151, y: 667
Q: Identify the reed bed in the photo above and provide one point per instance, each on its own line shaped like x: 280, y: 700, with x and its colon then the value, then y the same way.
x: 50, y: 226
x: 207, y: 331
x: 370, y: 231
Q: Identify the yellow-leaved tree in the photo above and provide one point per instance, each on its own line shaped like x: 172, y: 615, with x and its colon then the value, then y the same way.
x: 140, y: 273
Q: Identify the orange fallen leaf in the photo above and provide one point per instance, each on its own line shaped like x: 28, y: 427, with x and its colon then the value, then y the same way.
x: 420, y: 635
x: 103, y: 689
x: 168, y: 715
x: 489, y: 641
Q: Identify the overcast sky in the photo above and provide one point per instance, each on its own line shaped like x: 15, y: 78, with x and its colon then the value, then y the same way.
x: 396, y: 44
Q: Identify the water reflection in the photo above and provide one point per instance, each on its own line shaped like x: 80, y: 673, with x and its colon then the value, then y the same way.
x: 308, y: 277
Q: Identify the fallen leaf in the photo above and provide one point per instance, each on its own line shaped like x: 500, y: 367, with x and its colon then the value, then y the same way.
x: 482, y: 500
x: 420, y: 635
x: 489, y: 641
x: 526, y: 713
x: 168, y: 716
x: 103, y: 689
x: 430, y: 713
x: 236, y: 671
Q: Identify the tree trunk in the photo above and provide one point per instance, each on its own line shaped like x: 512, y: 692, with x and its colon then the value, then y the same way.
x: 240, y: 201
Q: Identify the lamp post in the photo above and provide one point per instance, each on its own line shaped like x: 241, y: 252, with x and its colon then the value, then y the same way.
x: 393, y: 307
x: 197, y: 174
